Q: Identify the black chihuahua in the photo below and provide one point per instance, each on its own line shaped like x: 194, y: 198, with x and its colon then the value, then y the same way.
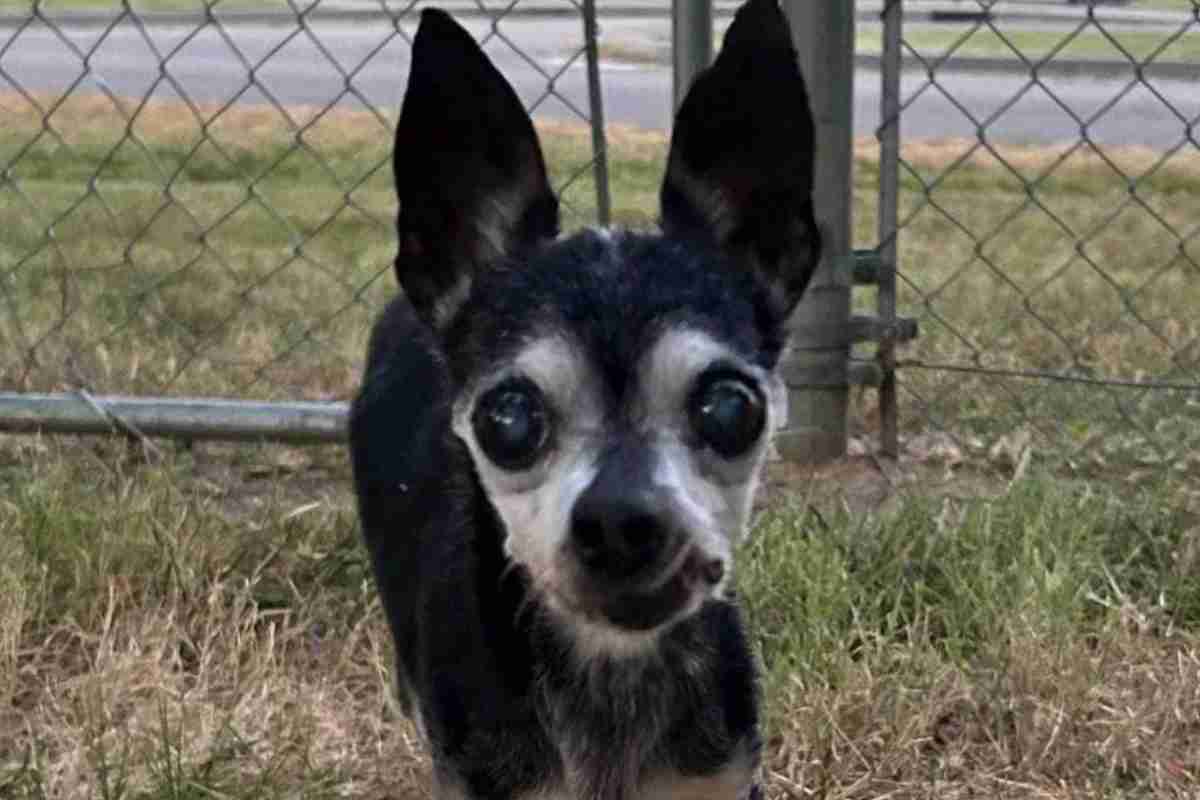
x: 557, y: 441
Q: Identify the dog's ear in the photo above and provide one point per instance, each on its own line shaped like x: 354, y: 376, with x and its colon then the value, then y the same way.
x: 469, y: 171
x: 740, y: 171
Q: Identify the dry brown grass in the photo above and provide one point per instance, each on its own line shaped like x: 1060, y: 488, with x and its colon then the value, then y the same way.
x: 81, y: 117
x: 175, y: 643
x: 1054, y: 722
x: 996, y: 676
x: 164, y: 248
x: 936, y: 155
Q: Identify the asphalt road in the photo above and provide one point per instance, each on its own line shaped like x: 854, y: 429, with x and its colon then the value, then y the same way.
x: 317, y: 65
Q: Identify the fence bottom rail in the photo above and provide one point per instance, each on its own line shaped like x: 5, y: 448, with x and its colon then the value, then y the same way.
x: 181, y: 418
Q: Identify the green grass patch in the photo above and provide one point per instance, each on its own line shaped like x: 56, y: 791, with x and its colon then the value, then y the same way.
x: 1187, y: 5
x: 953, y: 643
x: 53, y: 7
x: 961, y: 578
x: 1035, y: 45
x: 999, y: 40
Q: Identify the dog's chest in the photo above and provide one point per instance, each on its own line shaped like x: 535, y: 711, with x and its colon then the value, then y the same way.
x: 735, y: 782
x: 658, y: 732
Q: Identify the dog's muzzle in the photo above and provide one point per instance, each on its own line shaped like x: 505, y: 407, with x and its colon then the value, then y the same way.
x: 642, y: 610
x: 636, y: 565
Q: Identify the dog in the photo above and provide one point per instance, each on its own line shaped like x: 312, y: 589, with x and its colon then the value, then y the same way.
x: 557, y: 440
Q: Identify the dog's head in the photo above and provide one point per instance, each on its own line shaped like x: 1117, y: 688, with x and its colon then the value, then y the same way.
x: 616, y: 391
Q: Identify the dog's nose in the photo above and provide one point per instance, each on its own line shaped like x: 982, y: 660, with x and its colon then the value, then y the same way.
x: 621, y: 528
x: 618, y: 538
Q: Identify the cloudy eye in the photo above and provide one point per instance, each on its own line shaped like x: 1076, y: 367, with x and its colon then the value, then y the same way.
x: 511, y: 424
x: 727, y: 413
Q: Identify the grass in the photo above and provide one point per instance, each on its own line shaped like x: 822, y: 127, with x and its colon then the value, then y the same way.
x: 168, y: 630
x: 995, y: 648
x: 1077, y: 261
x: 199, y: 622
x: 169, y: 642
x: 1189, y: 5
x: 169, y: 251
x: 987, y: 42
x: 1005, y: 42
x: 52, y: 7
x: 628, y: 53
x: 192, y: 264
x: 171, y: 5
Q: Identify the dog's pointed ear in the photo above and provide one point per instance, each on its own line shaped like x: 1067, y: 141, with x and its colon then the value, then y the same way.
x: 469, y: 171
x: 740, y: 171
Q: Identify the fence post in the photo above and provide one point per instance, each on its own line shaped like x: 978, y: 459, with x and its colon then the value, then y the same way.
x: 889, y: 195
x: 817, y: 372
x: 596, y: 112
x: 691, y: 42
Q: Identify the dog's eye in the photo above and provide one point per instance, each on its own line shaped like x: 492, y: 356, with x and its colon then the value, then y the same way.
x: 511, y: 424
x: 728, y: 414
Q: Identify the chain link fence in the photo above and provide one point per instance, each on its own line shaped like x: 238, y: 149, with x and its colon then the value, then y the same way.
x: 197, y: 201
x: 1053, y: 266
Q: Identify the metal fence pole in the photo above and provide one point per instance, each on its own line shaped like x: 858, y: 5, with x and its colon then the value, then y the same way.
x: 889, y: 195
x: 691, y: 42
x: 173, y: 417
x: 596, y: 112
x: 817, y: 372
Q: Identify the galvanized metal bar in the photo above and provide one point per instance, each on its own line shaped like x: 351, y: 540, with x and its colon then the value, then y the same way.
x: 889, y: 204
x: 818, y: 410
x: 596, y: 113
x: 857, y: 373
x: 181, y: 418
x: 863, y: 328
x: 691, y: 42
x: 866, y: 267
